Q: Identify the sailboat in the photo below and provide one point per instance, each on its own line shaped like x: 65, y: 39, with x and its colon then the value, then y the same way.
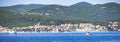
x: 36, y: 26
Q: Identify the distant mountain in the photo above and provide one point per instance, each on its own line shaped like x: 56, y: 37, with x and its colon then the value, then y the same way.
x: 112, y: 6
x: 111, y: 9
x: 22, y: 8
x: 82, y: 4
x: 101, y: 12
x: 84, y: 11
x: 6, y: 11
x: 49, y: 10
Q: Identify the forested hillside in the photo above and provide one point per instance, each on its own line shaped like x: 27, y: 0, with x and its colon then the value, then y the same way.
x: 25, y: 15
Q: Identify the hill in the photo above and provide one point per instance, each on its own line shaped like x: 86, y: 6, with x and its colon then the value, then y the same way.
x: 82, y: 4
x: 20, y: 9
x: 23, y: 15
x: 101, y: 12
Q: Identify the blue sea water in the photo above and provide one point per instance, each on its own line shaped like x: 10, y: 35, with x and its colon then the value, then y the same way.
x: 61, y: 37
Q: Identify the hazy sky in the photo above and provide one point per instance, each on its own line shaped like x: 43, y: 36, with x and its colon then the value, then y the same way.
x: 60, y: 2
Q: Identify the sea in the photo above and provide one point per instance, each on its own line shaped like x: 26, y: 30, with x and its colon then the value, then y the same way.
x: 61, y: 37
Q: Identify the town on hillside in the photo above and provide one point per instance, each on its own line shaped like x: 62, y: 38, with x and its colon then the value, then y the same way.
x: 82, y: 27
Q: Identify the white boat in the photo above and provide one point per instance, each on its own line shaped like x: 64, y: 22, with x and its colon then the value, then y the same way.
x: 12, y: 32
x: 88, y: 33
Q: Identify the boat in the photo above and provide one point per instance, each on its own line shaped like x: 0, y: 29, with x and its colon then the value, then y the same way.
x: 13, y: 32
x: 88, y: 33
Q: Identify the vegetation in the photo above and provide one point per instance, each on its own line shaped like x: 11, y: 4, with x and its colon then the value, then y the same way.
x: 20, y: 15
x: 13, y: 20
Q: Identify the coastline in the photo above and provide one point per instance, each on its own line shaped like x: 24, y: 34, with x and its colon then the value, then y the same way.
x: 59, y: 32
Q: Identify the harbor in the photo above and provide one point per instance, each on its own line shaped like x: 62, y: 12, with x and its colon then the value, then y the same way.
x: 82, y: 27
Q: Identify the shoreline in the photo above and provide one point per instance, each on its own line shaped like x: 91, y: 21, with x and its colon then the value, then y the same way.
x: 58, y: 32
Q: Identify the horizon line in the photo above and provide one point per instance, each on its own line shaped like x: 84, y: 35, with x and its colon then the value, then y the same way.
x: 55, y: 4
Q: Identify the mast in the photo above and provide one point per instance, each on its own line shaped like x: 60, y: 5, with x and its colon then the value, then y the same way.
x: 68, y: 26
x: 37, y: 26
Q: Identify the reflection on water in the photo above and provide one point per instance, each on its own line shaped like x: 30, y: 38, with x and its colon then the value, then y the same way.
x: 61, y: 37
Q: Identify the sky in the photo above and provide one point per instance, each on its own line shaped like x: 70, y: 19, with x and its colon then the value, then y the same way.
x: 47, y: 2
